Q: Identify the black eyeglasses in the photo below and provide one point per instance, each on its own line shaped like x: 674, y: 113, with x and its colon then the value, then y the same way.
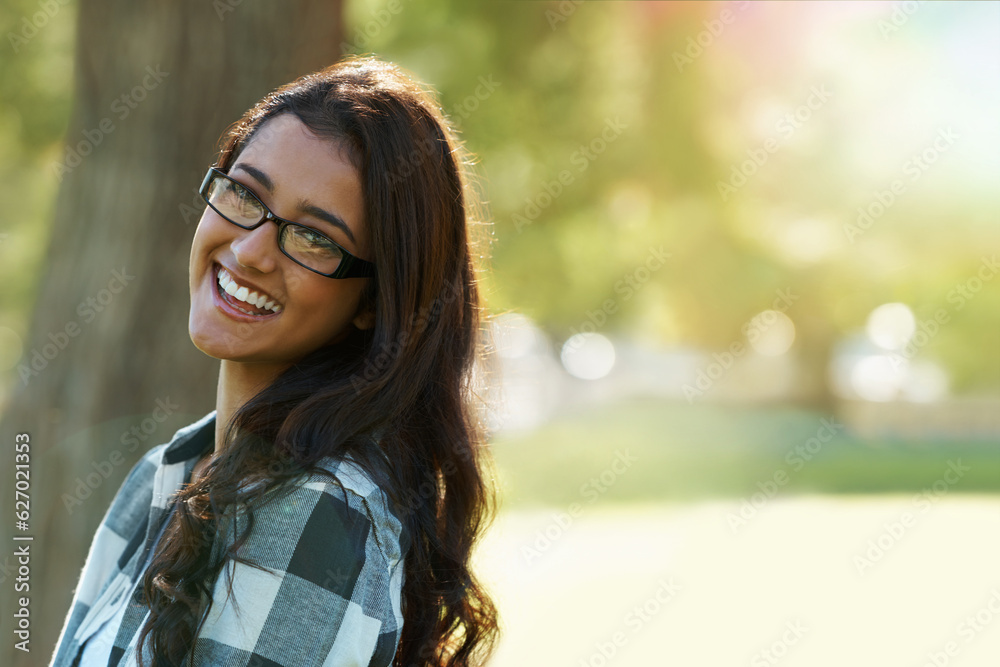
x: 305, y: 246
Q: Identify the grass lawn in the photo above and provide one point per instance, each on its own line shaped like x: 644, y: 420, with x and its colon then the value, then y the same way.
x: 670, y: 451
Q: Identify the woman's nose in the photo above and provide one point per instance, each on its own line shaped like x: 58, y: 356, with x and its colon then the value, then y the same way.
x: 257, y: 248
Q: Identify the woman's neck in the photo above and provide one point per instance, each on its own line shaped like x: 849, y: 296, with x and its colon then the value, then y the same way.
x: 238, y: 383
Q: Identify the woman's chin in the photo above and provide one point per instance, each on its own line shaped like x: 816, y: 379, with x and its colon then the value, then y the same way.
x: 207, y: 345
x: 212, y: 341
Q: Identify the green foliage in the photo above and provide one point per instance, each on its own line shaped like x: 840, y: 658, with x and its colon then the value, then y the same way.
x: 597, y: 145
x: 566, y: 69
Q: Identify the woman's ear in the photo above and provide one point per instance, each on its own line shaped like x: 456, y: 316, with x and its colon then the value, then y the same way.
x: 365, y: 319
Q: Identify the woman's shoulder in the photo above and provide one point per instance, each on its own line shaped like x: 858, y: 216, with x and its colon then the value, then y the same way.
x: 320, y: 546
x: 343, y: 472
x: 338, y: 508
x: 344, y: 482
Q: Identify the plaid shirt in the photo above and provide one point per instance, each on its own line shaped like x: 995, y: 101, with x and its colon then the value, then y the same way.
x: 330, y: 594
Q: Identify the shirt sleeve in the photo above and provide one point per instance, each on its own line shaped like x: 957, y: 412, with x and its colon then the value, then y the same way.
x: 325, y: 593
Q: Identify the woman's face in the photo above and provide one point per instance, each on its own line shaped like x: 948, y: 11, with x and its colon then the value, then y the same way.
x: 299, y: 177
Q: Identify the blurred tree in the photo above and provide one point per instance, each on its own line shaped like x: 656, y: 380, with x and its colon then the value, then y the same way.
x: 109, y: 370
x: 532, y: 86
x: 539, y: 90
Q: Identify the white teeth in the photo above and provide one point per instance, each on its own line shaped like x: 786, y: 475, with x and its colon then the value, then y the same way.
x: 259, y: 300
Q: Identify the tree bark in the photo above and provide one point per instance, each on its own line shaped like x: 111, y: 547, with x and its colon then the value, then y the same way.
x: 110, y: 371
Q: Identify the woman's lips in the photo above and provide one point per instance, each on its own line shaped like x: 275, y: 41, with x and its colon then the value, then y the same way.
x: 235, y: 309
x: 250, y: 297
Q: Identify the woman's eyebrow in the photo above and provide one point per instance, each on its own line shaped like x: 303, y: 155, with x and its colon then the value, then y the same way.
x: 303, y: 204
x: 317, y: 212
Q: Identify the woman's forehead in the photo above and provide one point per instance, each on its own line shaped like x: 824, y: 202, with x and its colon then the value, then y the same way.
x: 304, y: 168
x: 285, y: 138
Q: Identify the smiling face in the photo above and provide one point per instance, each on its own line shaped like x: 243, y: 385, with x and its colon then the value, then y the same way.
x: 251, y: 303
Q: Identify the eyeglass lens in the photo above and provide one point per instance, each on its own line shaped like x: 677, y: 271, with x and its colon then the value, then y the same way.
x: 305, y: 245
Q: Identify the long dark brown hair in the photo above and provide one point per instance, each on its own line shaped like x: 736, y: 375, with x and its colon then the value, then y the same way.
x: 401, y: 391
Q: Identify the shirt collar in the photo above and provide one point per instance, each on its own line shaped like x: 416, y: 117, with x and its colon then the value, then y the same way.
x: 191, y: 441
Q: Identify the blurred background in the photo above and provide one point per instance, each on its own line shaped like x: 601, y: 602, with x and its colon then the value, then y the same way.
x: 743, y: 272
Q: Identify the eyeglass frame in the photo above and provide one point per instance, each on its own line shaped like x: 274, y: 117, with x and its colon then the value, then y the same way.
x: 349, y: 267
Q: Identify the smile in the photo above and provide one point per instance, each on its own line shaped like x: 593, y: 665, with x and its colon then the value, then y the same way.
x: 256, y: 303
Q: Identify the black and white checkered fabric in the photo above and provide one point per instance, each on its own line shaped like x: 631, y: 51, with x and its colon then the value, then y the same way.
x: 329, y: 594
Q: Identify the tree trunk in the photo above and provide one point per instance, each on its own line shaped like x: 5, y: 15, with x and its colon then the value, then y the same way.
x: 818, y: 337
x: 110, y: 371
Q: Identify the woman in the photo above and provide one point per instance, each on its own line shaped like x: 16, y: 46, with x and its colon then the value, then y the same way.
x: 325, y: 512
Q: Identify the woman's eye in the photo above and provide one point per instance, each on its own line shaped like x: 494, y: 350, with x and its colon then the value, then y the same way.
x: 315, y: 242
x: 242, y: 198
x: 236, y: 199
